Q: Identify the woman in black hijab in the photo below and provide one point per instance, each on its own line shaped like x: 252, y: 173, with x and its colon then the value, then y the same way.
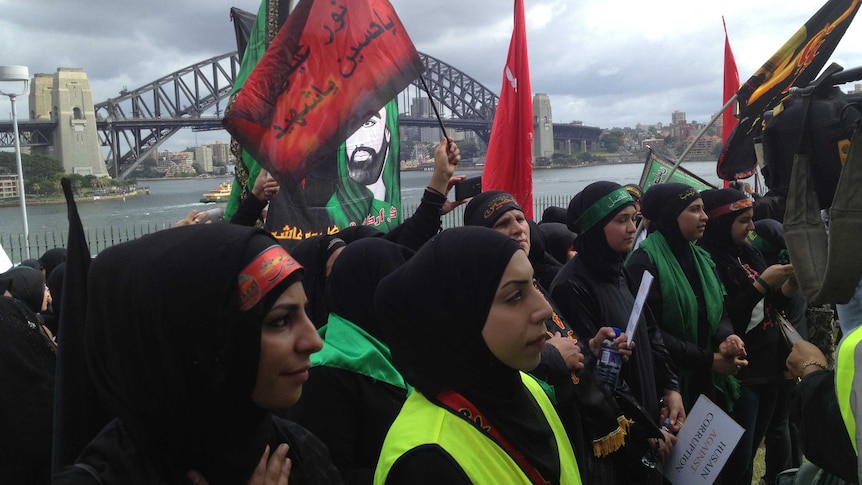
x: 354, y: 392
x: 595, y: 423
x: 686, y: 296
x: 594, y: 290
x: 463, y: 320
x: 27, y: 362
x: 52, y: 258
x: 756, y: 293
x: 317, y: 255
x: 189, y: 343
x: 28, y: 286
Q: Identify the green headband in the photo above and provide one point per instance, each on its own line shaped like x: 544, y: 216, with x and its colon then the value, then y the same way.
x: 602, y: 208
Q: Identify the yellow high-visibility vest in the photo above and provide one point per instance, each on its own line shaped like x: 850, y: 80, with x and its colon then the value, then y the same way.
x: 422, y: 422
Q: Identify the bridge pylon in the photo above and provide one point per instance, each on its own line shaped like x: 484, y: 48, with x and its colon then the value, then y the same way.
x: 65, y: 97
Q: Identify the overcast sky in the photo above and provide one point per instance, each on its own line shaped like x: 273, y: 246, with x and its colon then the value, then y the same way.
x: 607, y: 64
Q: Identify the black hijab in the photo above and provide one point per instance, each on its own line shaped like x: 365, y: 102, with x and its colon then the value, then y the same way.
x: 558, y: 240
x: 723, y: 206
x: 591, y: 243
x: 312, y: 254
x: 487, y: 207
x: 355, y: 275
x: 545, y: 266
x: 26, y: 285
x: 768, y: 238
x: 32, y: 263
x: 55, y: 284
x: 662, y: 204
x: 172, y: 354
x: 52, y: 258
x: 433, y: 309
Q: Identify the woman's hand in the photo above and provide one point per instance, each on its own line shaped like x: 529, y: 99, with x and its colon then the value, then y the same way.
x: 673, y: 410
x: 271, y: 470
x: 664, y: 447
x: 265, y: 186
x: 449, y: 205
x: 608, y: 333
x: 733, y: 346
x: 189, y: 219
x: 447, y: 155
x: 777, y: 274
x: 623, y: 348
x: 569, y: 351
x: 805, y: 353
x: 727, y: 365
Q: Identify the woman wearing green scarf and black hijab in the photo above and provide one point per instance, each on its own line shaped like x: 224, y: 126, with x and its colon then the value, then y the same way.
x: 354, y: 392
x: 192, y: 335
x: 464, y: 320
x: 686, y: 296
x: 593, y: 290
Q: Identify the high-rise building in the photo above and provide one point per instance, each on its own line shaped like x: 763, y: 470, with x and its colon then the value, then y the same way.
x: 204, y: 158
x: 543, y: 127
x: 221, y: 153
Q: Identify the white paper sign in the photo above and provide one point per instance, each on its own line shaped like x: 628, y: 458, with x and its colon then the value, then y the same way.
x: 703, y: 445
x: 5, y: 262
x: 643, y: 291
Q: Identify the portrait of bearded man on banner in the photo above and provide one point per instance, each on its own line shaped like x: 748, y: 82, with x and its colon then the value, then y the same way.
x: 370, y: 189
x: 359, y: 185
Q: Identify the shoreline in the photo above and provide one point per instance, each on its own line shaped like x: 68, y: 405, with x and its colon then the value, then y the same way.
x: 84, y: 199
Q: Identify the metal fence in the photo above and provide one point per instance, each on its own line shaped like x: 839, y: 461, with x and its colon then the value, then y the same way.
x: 100, y: 238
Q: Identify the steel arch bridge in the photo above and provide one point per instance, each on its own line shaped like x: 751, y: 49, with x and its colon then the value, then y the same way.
x: 137, y: 122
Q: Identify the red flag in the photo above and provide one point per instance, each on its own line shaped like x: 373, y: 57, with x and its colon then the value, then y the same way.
x: 326, y: 72
x: 509, y: 164
x: 731, y: 85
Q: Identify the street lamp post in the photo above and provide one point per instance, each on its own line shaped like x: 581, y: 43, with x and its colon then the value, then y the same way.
x: 14, y: 81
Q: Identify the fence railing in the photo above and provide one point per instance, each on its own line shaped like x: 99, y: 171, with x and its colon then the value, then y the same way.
x: 99, y: 238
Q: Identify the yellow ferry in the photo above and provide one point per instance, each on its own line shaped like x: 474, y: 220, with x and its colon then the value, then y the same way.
x: 218, y: 194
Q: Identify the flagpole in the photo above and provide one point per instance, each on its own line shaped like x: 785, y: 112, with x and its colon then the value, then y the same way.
x: 434, y: 106
x: 700, y: 134
x: 688, y: 149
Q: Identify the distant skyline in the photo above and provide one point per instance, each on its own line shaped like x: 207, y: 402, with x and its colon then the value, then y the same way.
x: 606, y: 64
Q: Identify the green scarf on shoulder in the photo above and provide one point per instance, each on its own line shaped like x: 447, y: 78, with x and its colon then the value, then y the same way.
x: 679, y: 307
x: 348, y: 347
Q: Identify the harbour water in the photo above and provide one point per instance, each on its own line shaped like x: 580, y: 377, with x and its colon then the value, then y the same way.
x: 171, y: 200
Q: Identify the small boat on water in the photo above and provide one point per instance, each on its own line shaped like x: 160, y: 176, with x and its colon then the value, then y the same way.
x: 218, y: 194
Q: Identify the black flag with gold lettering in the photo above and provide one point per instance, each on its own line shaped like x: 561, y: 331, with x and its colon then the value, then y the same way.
x: 796, y: 63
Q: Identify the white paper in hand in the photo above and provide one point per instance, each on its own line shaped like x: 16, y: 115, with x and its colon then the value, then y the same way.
x: 643, y: 291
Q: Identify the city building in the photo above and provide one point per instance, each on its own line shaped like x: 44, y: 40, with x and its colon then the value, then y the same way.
x: 8, y: 186
x: 221, y: 154
x: 543, y: 127
x: 203, y: 156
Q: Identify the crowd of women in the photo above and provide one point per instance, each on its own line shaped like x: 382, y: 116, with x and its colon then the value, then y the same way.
x: 463, y: 356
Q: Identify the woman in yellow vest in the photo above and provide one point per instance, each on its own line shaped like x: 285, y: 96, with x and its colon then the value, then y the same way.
x: 827, y: 406
x: 464, y: 321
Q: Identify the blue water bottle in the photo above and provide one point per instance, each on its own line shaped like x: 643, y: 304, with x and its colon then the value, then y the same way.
x: 609, y: 363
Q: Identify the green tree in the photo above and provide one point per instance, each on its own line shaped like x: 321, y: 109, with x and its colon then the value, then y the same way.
x: 39, y: 171
x: 613, y: 140
x: 585, y: 157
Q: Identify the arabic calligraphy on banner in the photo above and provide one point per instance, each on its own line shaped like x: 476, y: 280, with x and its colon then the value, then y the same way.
x: 332, y: 65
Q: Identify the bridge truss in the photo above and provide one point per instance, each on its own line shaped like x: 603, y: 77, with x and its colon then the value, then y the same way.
x: 137, y: 122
